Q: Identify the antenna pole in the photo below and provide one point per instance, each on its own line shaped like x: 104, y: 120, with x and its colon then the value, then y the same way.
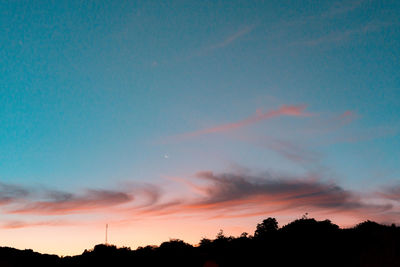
x: 106, y: 234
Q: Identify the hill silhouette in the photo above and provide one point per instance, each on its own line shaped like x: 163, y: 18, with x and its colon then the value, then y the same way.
x: 303, y: 242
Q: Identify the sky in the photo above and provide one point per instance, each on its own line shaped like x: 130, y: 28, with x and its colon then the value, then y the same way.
x: 175, y: 119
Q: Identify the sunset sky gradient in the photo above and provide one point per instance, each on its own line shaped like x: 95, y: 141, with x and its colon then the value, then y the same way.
x: 175, y: 119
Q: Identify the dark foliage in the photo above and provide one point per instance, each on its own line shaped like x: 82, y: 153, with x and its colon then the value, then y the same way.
x: 265, y: 228
x: 303, y: 242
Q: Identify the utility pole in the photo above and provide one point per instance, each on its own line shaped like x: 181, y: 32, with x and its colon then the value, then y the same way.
x: 106, y: 234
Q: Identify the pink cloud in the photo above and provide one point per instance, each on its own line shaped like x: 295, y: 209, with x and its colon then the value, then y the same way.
x: 235, y: 195
x: 66, y: 203
x: 292, y: 111
x: 238, y: 195
x: 232, y: 38
x: 291, y: 151
x: 228, y: 195
x: 23, y: 224
x: 347, y: 116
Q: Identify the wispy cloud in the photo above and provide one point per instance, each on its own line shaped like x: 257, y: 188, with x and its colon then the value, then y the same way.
x: 281, y: 193
x: 232, y: 38
x: 23, y: 224
x: 229, y: 40
x: 239, y: 195
x: 348, y: 116
x: 333, y: 11
x: 369, y: 133
x: 298, y: 148
x: 293, y: 152
x: 233, y: 195
x: 10, y: 193
x: 61, y: 202
x: 24, y: 200
x: 340, y: 36
x: 227, y: 195
x: 338, y: 9
x: 292, y: 111
x: 19, y: 199
x: 392, y: 192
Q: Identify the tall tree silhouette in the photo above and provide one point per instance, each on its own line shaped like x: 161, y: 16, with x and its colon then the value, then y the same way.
x: 267, y: 226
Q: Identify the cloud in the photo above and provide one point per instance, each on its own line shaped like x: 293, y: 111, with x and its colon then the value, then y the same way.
x: 333, y: 11
x: 292, y: 111
x: 232, y: 190
x: 24, y: 200
x: 340, y: 36
x: 228, y: 195
x: 298, y: 148
x: 293, y: 152
x: 146, y: 195
x: 230, y: 39
x: 348, y: 116
x: 391, y: 193
x: 64, y: 203
x: 22, y: 224
x: 369, y: 133
x: 338, y: 9
x: 21, y: 202
x: 234, y: 195
x: 18, y: 199
x: 10, y: 193
x: 221, y: 44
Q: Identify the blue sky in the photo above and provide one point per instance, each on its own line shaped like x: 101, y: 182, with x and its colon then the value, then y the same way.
x: 99, y: 93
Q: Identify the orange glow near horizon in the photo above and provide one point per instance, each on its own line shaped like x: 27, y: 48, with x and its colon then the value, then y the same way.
x: 74, y: 239
x: 201, y: 208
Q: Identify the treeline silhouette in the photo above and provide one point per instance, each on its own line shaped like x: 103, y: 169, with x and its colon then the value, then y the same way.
x: 303, y: 242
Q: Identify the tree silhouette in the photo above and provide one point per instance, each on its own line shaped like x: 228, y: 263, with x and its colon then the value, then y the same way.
x: 303, y: 242
x: 267, y: 226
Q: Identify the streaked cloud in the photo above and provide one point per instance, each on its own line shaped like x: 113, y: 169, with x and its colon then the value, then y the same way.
x: 22, y: 224
x: 391, y: 193
x: 210, y: 195
x: 25, y: 200
x: 240, y: 195
x: 340, y: 36
x: 340, y: 8
x: 224, y: 42
x: 290, y: 111
x: 230, y: 39
x: 10, y: 193
x: 61, y: 202
x: 335, y: 10
x: 293, y: 152
x: 268, y: 192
